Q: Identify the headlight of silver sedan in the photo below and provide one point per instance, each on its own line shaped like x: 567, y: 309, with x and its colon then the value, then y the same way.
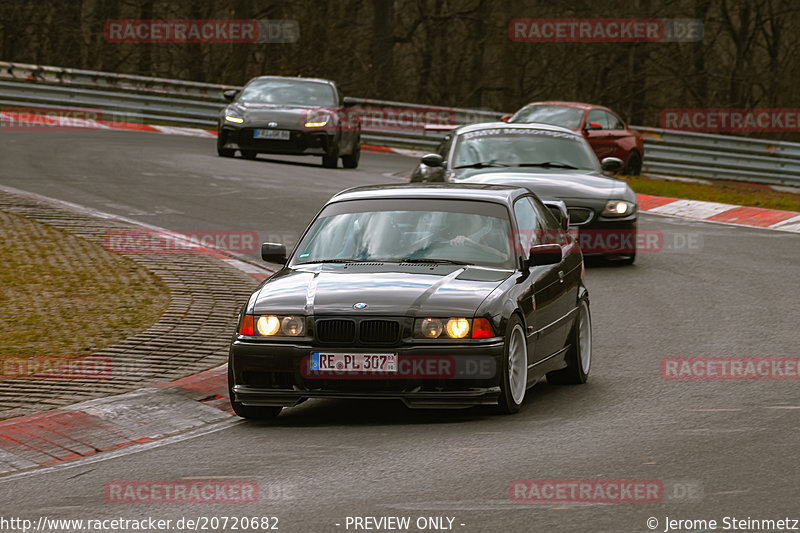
x: 617, y: 208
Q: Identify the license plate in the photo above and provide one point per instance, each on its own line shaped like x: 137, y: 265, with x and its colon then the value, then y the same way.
x: 282, y: 135
x: 354, y: 362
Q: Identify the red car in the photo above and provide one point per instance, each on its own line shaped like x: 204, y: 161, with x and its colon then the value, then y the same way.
x: 607, y: 134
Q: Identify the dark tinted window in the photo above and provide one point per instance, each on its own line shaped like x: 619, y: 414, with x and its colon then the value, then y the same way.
x: 288, y: 92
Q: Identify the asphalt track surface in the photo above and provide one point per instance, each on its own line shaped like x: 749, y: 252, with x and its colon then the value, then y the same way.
x: 733, y: 292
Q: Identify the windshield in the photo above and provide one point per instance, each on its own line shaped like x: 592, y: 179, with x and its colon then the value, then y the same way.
x: 288, y: 92
x: 567, y: 117
x: 447, y: 231
x: 522, y: 147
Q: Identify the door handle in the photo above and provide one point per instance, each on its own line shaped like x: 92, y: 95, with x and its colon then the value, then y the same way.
x: 561, y: 276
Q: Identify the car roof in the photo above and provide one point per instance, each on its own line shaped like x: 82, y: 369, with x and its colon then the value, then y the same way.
x: 292, y: 78
x: 504, y: 194
x: 577, y: 105
x: 521, y: 125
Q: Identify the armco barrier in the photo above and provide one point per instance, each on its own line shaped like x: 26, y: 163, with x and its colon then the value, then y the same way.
x: 174, y: 102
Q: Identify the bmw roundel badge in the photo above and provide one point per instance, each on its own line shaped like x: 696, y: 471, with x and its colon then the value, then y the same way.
x: 360, y: 305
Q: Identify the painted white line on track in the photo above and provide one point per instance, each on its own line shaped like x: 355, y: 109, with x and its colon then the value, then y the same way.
x: 239, y: 262
x: 189, y: 132
x: 790, y: 224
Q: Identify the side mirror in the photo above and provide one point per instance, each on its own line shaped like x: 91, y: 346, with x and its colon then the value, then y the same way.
x: 433, y: 160
x: 272, y: 252
x: 505, y: 118
x: 611, y: 164
x: 545, y: 254
x: 593, y: 126
x: 230, y: 94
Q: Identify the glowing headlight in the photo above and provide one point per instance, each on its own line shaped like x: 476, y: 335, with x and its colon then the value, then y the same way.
x: 457, y: 328
x: 268, y: 325
x: 234, y: 119
x: 432, y: 327
x: 316, y: 124
x: 291, y: 326
x: 617, y: 208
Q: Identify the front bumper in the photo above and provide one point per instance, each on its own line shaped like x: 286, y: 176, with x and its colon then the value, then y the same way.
x: 275, y: 374
x: 300, y: 142
x: 601, y: 235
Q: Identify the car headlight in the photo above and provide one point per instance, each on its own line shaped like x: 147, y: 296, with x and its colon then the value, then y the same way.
x: 617, y: 208
x: 232, y: 117
x: 318, y: 122
x: 272, y: 326
x: 452, y: 328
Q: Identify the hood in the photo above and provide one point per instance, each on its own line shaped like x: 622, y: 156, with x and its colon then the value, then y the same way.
x: 387, y: 289
x: 555, y: 184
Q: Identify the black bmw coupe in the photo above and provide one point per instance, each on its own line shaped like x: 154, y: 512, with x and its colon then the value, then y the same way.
x: 290, y: 116
x: 438, y: 295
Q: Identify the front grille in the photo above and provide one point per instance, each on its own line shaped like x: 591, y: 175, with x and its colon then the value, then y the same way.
x: 336, y: 330
x: 379, y: 331
x: 579, y: 215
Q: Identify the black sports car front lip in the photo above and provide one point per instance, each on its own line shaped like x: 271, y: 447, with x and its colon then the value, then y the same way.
x: 271, y: 374
x: 300, y: 141
x: 608, y: 235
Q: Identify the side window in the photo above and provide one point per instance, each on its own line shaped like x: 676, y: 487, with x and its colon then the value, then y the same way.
x: 529, y: 224
x: 614, y: 122
x: 552, y: 232
x: 598, y: 116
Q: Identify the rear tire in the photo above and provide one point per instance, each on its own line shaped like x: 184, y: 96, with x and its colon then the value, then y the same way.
x: 515, y: 368
x: 351, y: 160
x: 249, y: 411
x: 579, y: 355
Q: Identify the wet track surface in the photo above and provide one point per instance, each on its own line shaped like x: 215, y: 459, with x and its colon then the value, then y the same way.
x: 732, y: 293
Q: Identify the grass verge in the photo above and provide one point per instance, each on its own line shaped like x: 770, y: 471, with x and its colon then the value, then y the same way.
x: 64, y: 296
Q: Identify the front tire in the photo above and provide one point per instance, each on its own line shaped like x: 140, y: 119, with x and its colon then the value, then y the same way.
x: 579, y: 355
x: 515, y: 368
x: 249, y: 154
x: 331, y: 160
x: 633, y: 165
x: 249, y: 411
x: 221, y: 150
x: 351, y: 160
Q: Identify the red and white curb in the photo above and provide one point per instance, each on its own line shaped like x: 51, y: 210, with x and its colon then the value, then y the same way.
x: 752, y: 217
x: 107, y: 424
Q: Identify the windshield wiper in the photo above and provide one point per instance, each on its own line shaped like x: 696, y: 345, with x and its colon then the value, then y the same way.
x: 547, y: 164
x: 342, y: 261
x: 482, y: 164
x: 438, y: 261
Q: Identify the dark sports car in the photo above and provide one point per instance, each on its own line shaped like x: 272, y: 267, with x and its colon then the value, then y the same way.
x: 553, y: 162
x: 437, y: 295
x: 290, y: 116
